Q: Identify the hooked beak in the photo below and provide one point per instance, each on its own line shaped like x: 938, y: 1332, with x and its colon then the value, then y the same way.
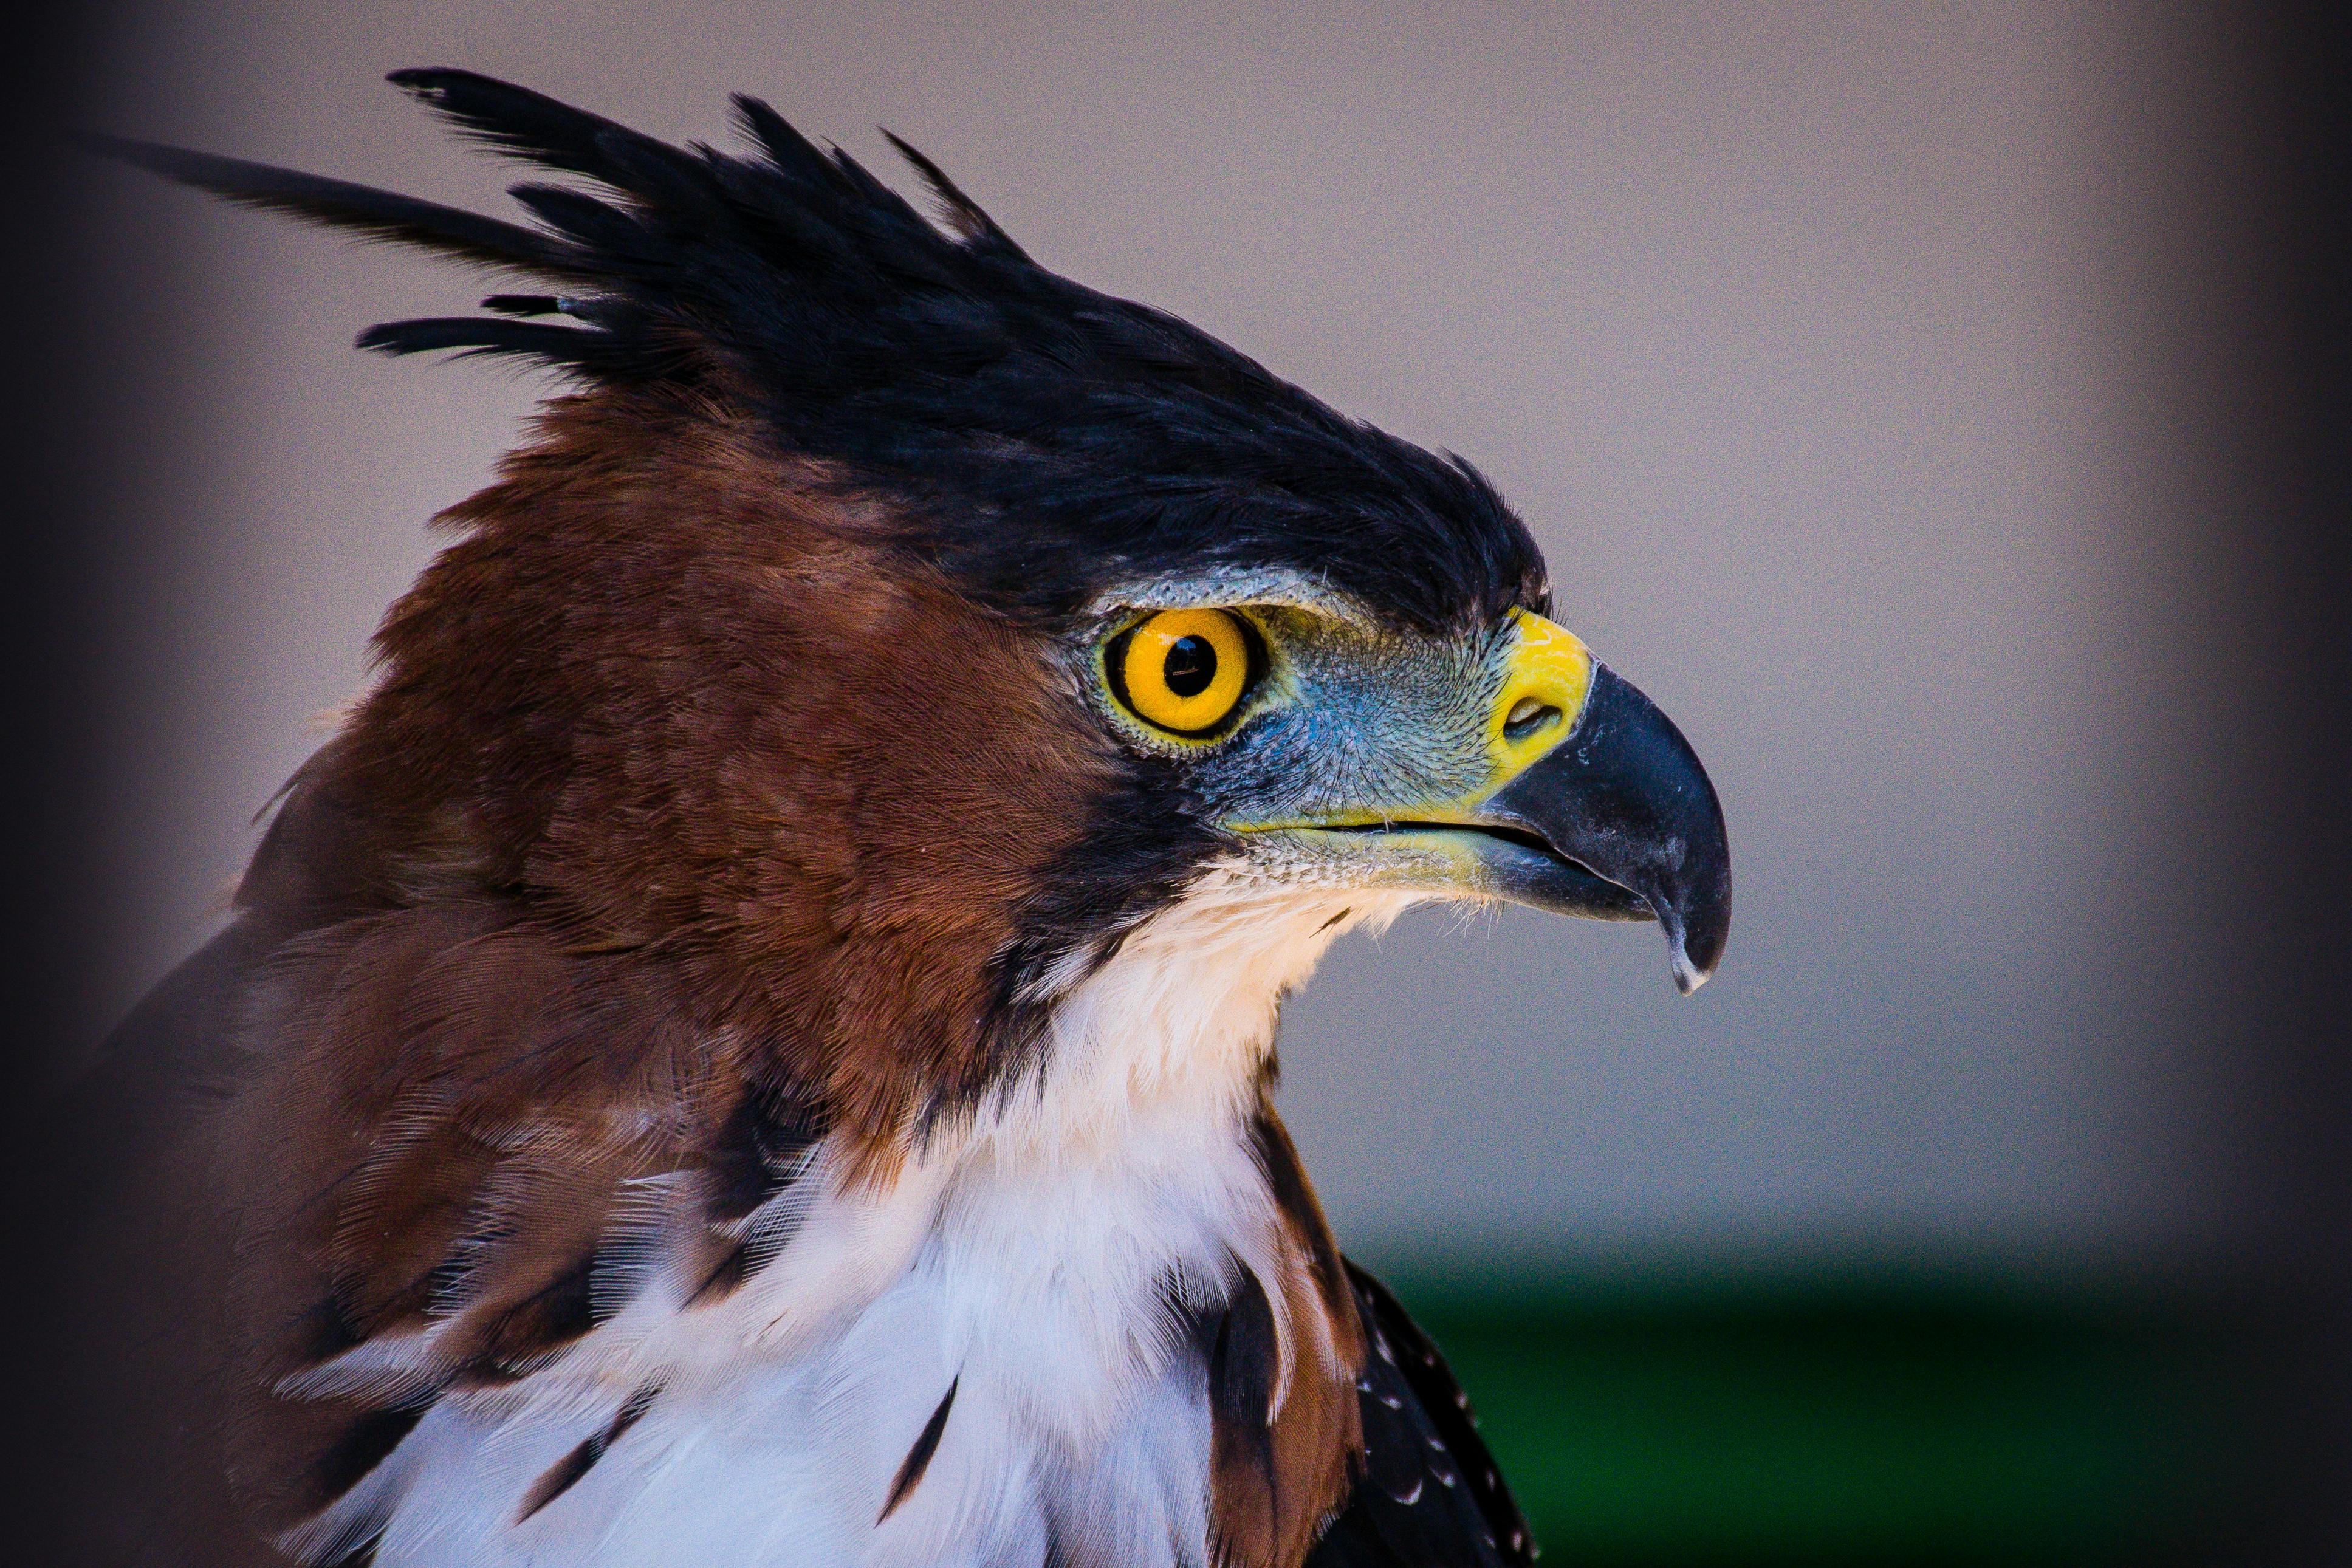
x: 1591, y: 804
x: 1624, y: 797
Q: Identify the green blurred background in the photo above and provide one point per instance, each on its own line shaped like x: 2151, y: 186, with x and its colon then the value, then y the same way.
x: 1872, y: 1412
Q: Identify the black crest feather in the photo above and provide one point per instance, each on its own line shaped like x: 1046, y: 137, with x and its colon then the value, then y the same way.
x: 1049, y: 441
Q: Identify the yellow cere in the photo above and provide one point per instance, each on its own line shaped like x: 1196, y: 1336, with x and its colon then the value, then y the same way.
x: 1184, y: 669
x: 1549, y: 675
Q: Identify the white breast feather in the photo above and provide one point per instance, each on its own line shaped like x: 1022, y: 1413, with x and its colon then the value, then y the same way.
x: 1022, y: 1256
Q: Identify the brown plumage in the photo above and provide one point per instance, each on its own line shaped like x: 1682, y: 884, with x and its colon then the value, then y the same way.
x: 648, y: 696
x: 605, y: 866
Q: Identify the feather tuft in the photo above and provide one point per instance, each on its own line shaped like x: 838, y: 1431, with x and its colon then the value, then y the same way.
x: 935, y: 361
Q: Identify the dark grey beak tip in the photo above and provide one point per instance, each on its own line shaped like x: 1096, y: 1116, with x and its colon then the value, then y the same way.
x: 1625, y: 796
x: 1693, y: 968
x: 1700, y: 922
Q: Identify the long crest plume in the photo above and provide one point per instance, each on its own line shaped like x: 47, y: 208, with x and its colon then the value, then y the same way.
x: 1045, y: 441
x: 671, y: 234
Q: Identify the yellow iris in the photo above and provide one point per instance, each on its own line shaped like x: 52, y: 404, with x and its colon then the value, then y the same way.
x: 1184, y: 669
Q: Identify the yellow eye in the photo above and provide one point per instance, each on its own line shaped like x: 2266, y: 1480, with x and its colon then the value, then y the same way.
x: 1184, y: 669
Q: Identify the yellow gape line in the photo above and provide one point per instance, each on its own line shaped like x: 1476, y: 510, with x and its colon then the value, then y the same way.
x: 1184, y: 669
x: 1545, y: 684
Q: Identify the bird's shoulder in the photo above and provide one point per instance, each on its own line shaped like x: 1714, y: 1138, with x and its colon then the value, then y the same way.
x: 427, y: 1152
x: 1430, y: 1493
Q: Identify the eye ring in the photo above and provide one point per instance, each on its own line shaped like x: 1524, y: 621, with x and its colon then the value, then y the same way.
x: 1183, y: 671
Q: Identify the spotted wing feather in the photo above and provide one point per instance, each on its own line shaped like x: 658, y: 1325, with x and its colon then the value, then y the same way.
x: 1429, y: 1494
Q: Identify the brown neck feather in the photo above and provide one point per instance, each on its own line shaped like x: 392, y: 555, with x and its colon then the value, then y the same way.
x: 670, y: 695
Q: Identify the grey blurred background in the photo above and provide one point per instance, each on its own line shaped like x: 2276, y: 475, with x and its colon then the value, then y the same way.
x: 1855, y: 366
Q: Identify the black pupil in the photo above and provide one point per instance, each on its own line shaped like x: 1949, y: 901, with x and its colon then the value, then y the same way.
x: 1191, y: 666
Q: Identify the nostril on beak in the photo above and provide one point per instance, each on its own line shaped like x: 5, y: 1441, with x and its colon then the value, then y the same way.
x: 1527, y: 716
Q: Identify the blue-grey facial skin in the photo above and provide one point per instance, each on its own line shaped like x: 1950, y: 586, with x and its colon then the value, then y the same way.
x: 1363, y: 758
x: 1349, y: 718
x: 1352, y: 720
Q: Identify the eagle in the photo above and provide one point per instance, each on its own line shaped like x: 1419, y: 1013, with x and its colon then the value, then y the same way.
x: 753, y: 1043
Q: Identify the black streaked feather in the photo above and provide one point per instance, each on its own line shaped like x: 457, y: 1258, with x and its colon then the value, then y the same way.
x: 366, y: 1443
x: 1143, y: 846
x: 524, y: 1334
x: 919, y: 1458
x: 325, y: 1330
x: 1242, y: 1353
x: 565, y: 1473
x: 759, y: 1149
x: 561, y: 1477
x: 724, y: 1276
x: 758, y: 1152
